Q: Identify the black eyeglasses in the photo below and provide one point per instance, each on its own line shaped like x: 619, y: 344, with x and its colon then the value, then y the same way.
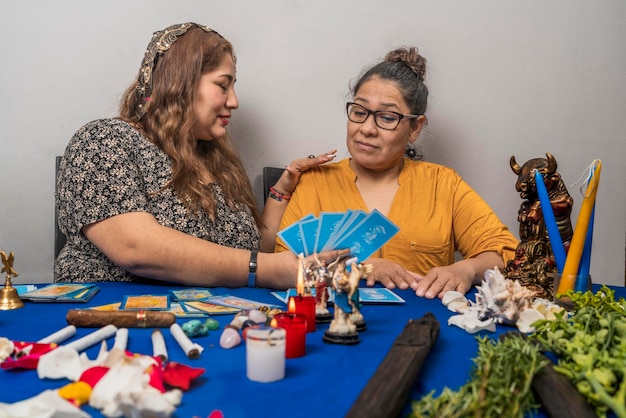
x: 384, y: 119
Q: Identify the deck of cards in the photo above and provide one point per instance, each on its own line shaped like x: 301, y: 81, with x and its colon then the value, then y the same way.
x: 361, y: 232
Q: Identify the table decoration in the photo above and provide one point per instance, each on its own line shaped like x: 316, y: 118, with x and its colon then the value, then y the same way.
x: 295, y: 327
x: 121, y: 339
x: 388, y: 390
x: 191, y: 349
x: 60, y: 335
x: 575, y: 251
x: 9, y: 299
x: 159, y: 349
x: 265, y: 354
x: 89, y: 318
x: 93, y: 338
x: 304, y: 303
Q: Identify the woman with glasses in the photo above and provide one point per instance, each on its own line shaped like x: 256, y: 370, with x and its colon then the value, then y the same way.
x: 436, y: 211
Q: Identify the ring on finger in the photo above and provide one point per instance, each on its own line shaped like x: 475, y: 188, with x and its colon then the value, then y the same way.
x: 311, y: 156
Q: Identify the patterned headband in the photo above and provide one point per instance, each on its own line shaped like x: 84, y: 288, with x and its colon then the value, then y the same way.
x: 161, y: 42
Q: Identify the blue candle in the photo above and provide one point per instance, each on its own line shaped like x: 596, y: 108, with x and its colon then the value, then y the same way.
x: 550, y: 221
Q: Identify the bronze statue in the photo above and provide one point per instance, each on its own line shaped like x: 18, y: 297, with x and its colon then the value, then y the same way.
x: 534, y: 265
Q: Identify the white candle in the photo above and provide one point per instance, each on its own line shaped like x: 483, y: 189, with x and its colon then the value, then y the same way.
x: 191, y: 349
x: 93, y: 338
x: 59, y: 336
x: 265, y: 354
x: 121, y: 339
x: 158, y: 345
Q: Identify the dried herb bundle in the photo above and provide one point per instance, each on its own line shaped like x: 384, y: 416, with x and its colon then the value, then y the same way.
x: 591, y: 348
x: 499, y: 385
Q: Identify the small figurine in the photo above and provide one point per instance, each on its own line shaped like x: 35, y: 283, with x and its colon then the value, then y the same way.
x: 343, y: 329
x: 323, y: 277
x: 9, y: 299
x: 534, y: 264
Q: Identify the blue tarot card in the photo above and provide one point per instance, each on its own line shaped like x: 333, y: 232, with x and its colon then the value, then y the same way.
x: 352, y: 219
x: 368, y: 236
x: 292, y: 237
x: 308, y: 232
x: 329, y: 222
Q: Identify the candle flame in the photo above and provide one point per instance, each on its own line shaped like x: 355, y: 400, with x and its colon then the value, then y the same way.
x: 292, y: 305
x: 274, y: 323
x: 300, y: 280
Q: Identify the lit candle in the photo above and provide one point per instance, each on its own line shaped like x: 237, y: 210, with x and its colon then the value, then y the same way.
x: 265, y: 354
x: 568, y: 277
x: 300, y: 304
x: 295, y: 326
x: 548, y: 217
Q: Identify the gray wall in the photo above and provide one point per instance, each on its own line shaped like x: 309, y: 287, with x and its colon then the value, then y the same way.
x: 506, y: 78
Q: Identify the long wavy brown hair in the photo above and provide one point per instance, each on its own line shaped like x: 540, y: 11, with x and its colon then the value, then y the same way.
x: 169, y: 119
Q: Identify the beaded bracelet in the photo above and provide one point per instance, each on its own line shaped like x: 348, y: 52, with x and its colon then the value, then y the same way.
x: 252, y: 269
x: 276, y: 195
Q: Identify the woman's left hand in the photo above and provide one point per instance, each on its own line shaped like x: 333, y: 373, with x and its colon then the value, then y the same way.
x: 291, y: 176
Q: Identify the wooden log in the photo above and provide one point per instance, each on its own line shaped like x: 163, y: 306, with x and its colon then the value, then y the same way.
x: 88, y: 318
x: 387, y: 392
x: 558, y: 396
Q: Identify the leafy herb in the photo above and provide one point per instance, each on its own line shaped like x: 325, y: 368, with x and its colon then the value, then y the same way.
x: 590, y: 345
x: 499, y: 386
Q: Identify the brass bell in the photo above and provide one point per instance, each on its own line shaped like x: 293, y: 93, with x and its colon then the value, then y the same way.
x: 9, y: 299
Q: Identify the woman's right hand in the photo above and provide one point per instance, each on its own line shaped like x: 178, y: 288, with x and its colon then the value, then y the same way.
x: 391, y: 275
x: 291, y: 176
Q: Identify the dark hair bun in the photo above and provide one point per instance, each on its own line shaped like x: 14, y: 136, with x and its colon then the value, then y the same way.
x: 411, y: 57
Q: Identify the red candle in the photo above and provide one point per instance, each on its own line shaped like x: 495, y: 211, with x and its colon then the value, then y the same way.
x: 295, y: 326
x: 304, y: 305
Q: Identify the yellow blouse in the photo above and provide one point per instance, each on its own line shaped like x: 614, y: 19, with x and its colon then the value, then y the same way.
x: 436, y: 211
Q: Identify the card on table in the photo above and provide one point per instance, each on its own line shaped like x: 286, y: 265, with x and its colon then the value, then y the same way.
x: 366, y: 295
x: 190, y: 294
x: 147, y: 302
x: 238, y: 302
x: 62, y: 292
x: 209, y: 308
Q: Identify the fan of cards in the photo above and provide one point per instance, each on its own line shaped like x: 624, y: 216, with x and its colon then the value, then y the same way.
x: 361, y: 232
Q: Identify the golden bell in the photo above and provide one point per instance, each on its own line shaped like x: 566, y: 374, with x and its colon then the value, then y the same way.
x: 9, y: 298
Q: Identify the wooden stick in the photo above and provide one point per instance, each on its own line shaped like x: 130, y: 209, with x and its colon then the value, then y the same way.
x: 388, y: 390
x: 558, y: 396
x: 88, y: 318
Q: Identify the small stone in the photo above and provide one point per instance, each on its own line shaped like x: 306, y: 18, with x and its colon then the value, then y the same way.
x: 230, y: 337
x: 194, y: 328
x: 211, y: 324
x: 257, y: 316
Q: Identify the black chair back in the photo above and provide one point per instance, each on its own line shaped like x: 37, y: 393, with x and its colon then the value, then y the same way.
x: 270, y: 177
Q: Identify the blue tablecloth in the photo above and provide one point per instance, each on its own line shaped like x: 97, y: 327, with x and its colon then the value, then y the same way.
x: 323, y: 383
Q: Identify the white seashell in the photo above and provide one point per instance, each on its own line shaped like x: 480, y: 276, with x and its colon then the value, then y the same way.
x: 451, y: 296
x: 470, y: 323
x: 526, y: 319
x: 6, y: 348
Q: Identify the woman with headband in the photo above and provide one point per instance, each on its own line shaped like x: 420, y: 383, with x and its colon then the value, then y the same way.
x: 159, y: 192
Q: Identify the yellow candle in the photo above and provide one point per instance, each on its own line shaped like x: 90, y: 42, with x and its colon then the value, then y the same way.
x: 568, y: 277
